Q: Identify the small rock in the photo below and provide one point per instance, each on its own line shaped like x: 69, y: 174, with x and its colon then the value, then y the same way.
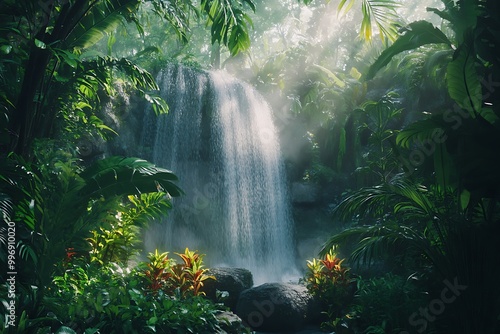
x: 230, y: 323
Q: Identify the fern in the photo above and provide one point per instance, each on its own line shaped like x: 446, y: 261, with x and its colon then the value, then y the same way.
x: 146, y: 207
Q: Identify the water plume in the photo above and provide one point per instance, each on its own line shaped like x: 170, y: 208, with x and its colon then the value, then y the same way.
x: 219, y: 138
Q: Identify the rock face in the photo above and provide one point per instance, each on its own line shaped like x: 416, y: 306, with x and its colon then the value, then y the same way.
x: 232, y: 280
x: 276, y: 307
x: 304, y: 193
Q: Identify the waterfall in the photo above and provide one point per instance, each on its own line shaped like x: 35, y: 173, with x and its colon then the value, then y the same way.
x: 219, y: 139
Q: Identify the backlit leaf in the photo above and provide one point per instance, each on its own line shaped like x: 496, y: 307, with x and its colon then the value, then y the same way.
x: 463, y: 82
x: 40, y: 44
x: 417, y: 34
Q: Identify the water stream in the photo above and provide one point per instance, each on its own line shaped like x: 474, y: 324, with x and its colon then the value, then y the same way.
x: 219, y: 139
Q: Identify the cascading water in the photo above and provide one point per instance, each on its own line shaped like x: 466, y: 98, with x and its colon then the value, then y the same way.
x: 219, y: 139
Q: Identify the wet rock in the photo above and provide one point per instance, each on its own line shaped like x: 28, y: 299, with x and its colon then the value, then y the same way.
x: 277, y: 307
x: 230, y: 323
x: 304, y: 192
x: 231, y: 280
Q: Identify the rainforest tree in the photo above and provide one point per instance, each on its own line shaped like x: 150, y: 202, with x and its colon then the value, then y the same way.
x: 51, y: 86
x: 45, y: 63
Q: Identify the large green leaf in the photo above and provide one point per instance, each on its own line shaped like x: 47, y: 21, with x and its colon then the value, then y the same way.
x: 463, y: 82
x: 421, y: 132
x: 328, y: 76
x: 102, y: 18
x: 444, y: 168
x: 126, y: 176
x: 416, y: 34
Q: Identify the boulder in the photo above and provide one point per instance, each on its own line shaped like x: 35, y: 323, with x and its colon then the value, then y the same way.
x: 231, y: 280
x: 277, y: 307
x: 230, y: 323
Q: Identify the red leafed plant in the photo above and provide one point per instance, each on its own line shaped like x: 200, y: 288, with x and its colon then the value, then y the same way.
x: 194, y: 274
x: 329, y: 281
x: 157, y: 272
x: 163, y: 274
x: 70, y: 255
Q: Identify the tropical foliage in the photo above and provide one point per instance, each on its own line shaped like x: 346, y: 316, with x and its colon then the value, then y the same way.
x: 105, y: 297
x: 56, y: 206
x: 113, y: 300
x: 382, y: 304
x: 48, y: 72
x: 409, y: 140
x: 331, y: 284
x: 437, y: 212
x: 62, y: 202
x: 162, y: 273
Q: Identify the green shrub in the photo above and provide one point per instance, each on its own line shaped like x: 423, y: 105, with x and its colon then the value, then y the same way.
x: 384, y: 304
x: 331, y: 284
x: 114, y: 300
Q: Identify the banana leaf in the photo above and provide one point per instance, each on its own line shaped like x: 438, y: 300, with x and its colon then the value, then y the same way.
x: 416, y: 34
x: 463, y: 82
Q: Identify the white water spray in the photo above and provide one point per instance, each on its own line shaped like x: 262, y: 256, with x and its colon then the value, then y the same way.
x: 219, y: 139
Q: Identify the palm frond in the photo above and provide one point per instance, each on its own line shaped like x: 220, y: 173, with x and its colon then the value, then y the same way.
x: 103, y: 17
x: 379, y: 13
x: 376, y: 241
x: 398, y: 196
x: 386, y: 240
x: 347, y: 236
x: 6, y: 207
x: 27, y: 252
x: 382, y: 14
x: 230, y: 25
x: 124, y: 176
x: 140, y: 79
x: 6, y: 211
x: 365, y: 202
x: 342, y: 6
x: 411, y: 197
x: 146, y: 207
